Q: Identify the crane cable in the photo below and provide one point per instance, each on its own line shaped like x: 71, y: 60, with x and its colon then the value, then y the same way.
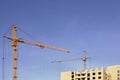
x: 90, y: 65
x: 3, y: 61
x: 3, y: 55
x: 26, y: 33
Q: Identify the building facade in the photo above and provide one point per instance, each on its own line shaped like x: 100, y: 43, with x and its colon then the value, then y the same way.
x: 111, y: 73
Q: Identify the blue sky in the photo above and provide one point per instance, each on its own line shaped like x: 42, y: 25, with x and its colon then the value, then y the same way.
x: 91, y: 25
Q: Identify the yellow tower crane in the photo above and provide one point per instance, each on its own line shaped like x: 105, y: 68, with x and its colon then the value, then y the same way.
x: 84, y: 59
x: 14, y: 45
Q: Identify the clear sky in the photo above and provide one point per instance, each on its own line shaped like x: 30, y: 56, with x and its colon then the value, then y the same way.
x: 91, y: 25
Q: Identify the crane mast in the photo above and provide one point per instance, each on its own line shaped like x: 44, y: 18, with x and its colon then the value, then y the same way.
x: 84, y: 58
x: 14, y: 53
x: 14, y: 45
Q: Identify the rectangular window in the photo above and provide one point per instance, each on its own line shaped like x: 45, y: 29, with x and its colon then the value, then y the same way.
x: 93, y: 77
x: 72, y: 76
x: 99, y: 73
x: 118, y: 71
x: 72, y: 72
x: 78, y: 78
x: 78, y: 74
x: 99, y: 77
x: 83, y: 74
x: 88, y: 74
x: 83, y: 78
x: 93, y: 73
x: 118, y: 78
x: 88, y: 78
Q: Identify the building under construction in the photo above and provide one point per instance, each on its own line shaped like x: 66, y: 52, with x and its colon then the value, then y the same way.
x: 111, y: 73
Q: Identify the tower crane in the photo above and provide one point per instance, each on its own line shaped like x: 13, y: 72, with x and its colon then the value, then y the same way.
x: 84, y: 59
x: 14, y: 45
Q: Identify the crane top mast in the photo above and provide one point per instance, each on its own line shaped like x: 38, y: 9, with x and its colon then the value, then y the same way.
x: 14, y: 36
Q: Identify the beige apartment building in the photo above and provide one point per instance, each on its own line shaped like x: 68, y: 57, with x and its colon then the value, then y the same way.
x: 111, y: 73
